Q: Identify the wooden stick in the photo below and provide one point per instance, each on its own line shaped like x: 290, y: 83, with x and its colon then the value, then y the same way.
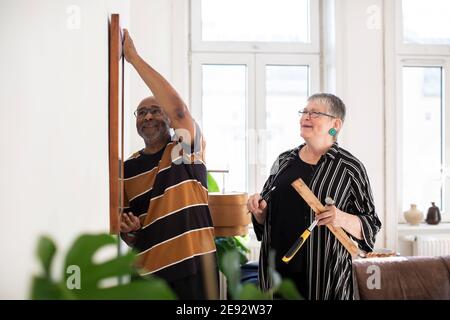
x: 115, y: 163
x: 309, y: 197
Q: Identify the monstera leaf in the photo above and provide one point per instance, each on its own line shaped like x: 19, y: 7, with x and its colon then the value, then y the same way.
x: 82, y: 278
x: 46, y: 251
x: 288, y: 291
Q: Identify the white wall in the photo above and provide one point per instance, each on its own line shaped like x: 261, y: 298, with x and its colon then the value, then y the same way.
x: 359, y: 81
x: 160, y: 32
x: 149, y: 27
x: 54, y: 133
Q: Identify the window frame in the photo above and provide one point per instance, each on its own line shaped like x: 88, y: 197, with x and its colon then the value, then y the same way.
x: 426, y: 61
x: 411, y: 49
x: 255, y: 55
x: 396, y: 53
x: 262, y: 60
x: 417, y: 55
x: 197, y: 44
x: 255, y: 95
x: 197, y: 60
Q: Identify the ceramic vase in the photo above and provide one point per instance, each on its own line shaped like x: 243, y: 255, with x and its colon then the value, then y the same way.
x: 433, y: 215
x: 413, y: 216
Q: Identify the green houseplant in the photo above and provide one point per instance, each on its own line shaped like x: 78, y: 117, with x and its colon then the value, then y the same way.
x: 81, y: 278
x: 231, y: 253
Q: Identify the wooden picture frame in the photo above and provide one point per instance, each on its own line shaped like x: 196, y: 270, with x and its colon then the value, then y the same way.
x: 116, y: 125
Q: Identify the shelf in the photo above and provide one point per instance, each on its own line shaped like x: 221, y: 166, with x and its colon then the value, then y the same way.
x: 444, y: 226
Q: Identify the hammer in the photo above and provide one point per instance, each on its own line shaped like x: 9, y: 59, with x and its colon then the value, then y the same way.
x: 304, y: 236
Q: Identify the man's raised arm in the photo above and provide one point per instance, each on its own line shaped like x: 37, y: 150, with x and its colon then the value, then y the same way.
x: 168, y: 98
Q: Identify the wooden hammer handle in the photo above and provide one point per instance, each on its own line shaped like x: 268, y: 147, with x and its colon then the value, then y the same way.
x: 300, y: 186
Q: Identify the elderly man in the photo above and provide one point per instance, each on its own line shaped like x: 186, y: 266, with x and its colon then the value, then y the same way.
x: 166, y: 218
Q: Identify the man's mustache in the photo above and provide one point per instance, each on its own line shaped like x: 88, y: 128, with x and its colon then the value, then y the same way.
x: 153, y: 124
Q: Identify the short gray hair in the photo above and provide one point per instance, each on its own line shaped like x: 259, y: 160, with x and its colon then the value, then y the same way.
x: 335, y: 105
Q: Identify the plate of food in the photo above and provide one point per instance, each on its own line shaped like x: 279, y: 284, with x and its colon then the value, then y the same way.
x: 380, y: 253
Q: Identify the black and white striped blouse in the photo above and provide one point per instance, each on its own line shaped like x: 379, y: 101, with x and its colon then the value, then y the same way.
x: 342, y: 176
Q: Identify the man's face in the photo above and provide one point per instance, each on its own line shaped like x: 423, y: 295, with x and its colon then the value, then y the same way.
x: 151, y: 122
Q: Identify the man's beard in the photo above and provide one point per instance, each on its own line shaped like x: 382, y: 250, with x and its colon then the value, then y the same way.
x: 162, y: 133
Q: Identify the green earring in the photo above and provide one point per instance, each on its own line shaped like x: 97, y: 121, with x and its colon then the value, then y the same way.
x: 332, y: 132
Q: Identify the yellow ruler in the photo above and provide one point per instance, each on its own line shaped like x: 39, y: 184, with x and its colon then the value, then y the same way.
x: 309, y: 197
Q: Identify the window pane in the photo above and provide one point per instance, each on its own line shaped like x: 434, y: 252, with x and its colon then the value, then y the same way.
x: 426, y: 22
x: 255, y: 20
x: 224, y: 110
x: 422, y: 136
x: 286, y: 93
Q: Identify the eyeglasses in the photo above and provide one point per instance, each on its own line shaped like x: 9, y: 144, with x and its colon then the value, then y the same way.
x: 313, y: 114
x: 142, y: 112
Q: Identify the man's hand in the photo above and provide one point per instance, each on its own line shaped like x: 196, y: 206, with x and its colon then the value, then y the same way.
x: 129, y: 49
x: 257, y: 207
x: 129, y: 223
x: 166, y: 95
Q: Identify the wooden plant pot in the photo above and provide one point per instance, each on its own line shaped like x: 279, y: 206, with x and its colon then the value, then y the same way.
x: 229, y: 213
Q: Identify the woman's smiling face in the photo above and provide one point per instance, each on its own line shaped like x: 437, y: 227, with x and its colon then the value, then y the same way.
x: 315, y: 127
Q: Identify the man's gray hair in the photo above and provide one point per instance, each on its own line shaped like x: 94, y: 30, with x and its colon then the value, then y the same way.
x: 335, y: 105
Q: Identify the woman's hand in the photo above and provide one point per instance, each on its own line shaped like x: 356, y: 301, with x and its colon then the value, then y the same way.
x: 338, y: 218
x: 332, y: 216
x: 129, y: 223
x: 257, y: 207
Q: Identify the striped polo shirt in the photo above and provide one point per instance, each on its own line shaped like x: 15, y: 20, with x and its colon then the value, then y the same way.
x: 168, y: 192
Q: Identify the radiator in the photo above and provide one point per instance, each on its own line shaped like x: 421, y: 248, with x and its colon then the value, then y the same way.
x: 437, y: 245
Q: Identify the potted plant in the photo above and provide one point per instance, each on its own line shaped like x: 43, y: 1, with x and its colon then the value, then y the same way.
x: 82, y: 277
x: 230, y: 229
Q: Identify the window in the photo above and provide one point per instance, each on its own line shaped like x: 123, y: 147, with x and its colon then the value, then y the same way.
x: 224, y: 120
x: 423, y: 59
x: 230, y: 21
x: 426, y: 22
x: 286, y: 88
x: 423, y: 27
x: 422, y: 132
x: 250, y: 76
x: 255, y: 25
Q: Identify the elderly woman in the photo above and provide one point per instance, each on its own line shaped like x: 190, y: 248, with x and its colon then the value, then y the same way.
x: 322, y: 269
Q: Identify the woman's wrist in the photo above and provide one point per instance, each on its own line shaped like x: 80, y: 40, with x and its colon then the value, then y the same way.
x: 260, y: 218
x: 351, y: 224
